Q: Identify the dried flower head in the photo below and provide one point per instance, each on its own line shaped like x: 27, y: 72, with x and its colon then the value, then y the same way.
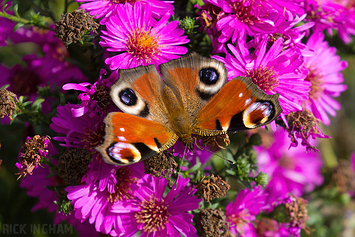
x: 343, y: 177
x: 209, y: 14
x: 211, y: 188
x: 303, y: 124
x: 297, y: 211
x: 31, y: 154
x: 73, y: 164
x: 212, y: 222
x: 74, y: 25
x: 266, y: 226
x: 161, y: 165
x: 7, y: 103
x: 102, y: 96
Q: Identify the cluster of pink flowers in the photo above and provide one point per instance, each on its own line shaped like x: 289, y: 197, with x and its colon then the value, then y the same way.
x: 253, y: 38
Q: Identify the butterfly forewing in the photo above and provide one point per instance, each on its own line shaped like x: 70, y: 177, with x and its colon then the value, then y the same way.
x: 138, y: 92
x: 190, y: 79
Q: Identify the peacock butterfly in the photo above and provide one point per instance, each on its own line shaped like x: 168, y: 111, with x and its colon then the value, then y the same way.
x: 192, y: 98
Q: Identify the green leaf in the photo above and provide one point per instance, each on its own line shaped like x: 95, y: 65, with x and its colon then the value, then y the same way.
x: 247, y: 184
x: 37, y: 103
x: 16, y: 11
x: 195, y: 167
x: 231, y: 172
x: 5, y: 86
x: 18, y: 25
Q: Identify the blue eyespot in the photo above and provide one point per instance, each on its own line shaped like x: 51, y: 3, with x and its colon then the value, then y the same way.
x: 209, y: 75
x: 128, y: 97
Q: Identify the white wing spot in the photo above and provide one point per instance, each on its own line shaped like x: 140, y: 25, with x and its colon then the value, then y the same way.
x: 122, y: 138
x: 122, y: 129
x: 240, y: 95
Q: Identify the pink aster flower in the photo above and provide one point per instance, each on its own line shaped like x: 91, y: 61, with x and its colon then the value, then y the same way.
x: 244, y: 210
x: 291, y: 170
x: 169, y: 212
x: 92, y: 94
x: 332, y: 15
x: 209, y: 14
x: 297, y: 215
x: 52, y: 67
x: 35, y: 35
x: 82, y: 124
x: 85, y: 131
x: 203, y: 155
x: 104, y: 185
x: 273, y: 70
x: 107, y: 8
x: 325, y: 77
x: 352, y: 160
x: 140, y: 39
x: 289, y: 30
x: 36, y: 186
x: 243, y: 18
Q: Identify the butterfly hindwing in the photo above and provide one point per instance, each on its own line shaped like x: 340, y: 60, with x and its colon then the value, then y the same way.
x: 130, y: 139
x: 239, y: 105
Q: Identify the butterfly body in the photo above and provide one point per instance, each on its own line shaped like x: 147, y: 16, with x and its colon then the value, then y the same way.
x: 189, y: 97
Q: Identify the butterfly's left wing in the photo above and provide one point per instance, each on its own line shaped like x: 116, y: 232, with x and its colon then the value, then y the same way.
x: 239, y: 105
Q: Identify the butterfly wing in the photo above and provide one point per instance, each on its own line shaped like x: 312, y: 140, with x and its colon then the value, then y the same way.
x: 130, y: 139
x: 139, y: 92
x: 239, y: 105
x: 143, y: 129
x: 194, y: 80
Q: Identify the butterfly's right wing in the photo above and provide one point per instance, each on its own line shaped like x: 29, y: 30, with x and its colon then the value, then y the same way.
x: 130, y: 139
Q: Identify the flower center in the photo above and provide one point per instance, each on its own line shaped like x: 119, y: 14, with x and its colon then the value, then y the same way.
x: 264, y: 78
x: 143, y: 45
x: 240, y: 219
x: 153, y: 214
x: 25, y: 82
x: 243, y: 13
x: 93, y: 138
x: 286, y: 162
x: 124, y: 1
x: 317, y: 81
x: 123, y: 186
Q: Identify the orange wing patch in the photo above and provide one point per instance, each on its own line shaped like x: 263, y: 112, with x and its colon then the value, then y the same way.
x: 246, y: 107
x: 130, y: 139
x: 224, y: 107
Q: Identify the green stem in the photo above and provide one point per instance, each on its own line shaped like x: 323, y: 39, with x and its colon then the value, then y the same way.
x: 24, y: 21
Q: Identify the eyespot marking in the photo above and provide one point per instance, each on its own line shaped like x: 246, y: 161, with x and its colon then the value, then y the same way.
x: 128, y: 97
x: 209, y: 76
x: 123, y: 153
x: 258, y: 113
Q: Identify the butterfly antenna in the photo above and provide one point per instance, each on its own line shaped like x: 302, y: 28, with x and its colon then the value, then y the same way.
x: 182, y: 161
x: 204, y: 148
